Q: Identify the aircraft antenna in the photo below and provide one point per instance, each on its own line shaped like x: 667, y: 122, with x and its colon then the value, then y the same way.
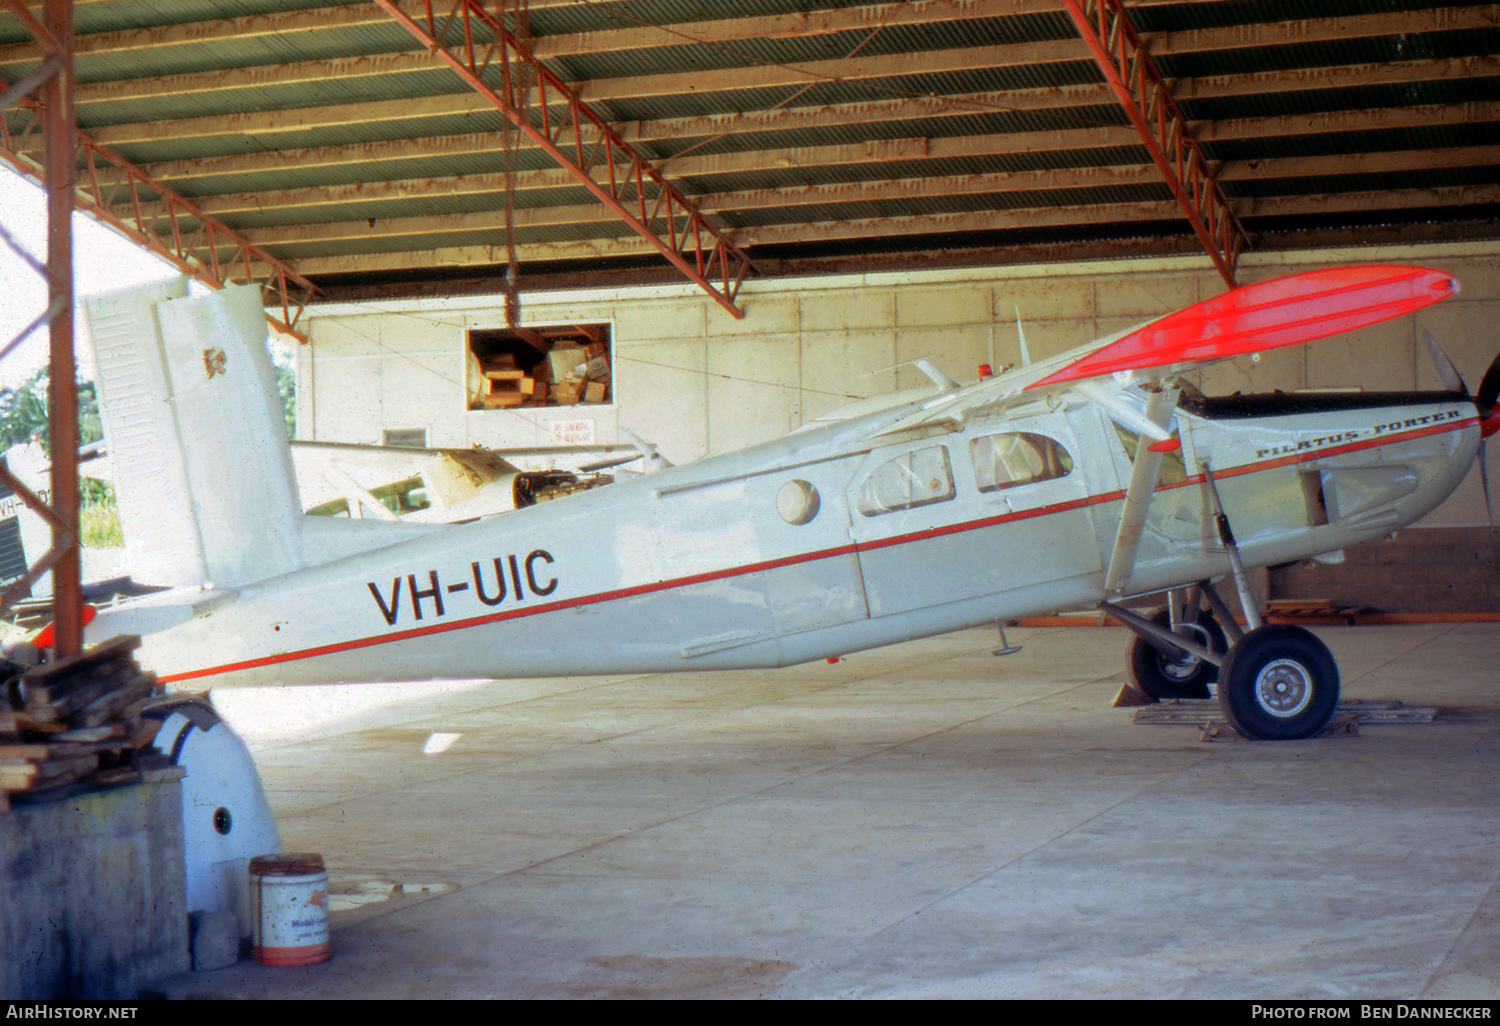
x: 1021, y: 334
x: 941, y: 380
x: 654, y: 460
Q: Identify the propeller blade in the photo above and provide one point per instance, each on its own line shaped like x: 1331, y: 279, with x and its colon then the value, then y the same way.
x: 1489, y: 388
x: 1446, y: 372
x: 1484, y: 482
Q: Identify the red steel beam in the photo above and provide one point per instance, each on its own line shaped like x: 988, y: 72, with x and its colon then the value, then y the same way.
x: 62, y: 386
x: 1130, y: 72
x: 483, y: 39
x: 53, y: 92
x: 152, y: 204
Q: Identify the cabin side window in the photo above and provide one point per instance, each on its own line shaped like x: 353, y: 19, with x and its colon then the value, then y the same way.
x: 1173, y: 469
x: 912, y: 479
x: 1017, y: 458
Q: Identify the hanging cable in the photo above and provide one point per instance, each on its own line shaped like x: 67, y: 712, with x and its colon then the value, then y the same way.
x: 520, y: 99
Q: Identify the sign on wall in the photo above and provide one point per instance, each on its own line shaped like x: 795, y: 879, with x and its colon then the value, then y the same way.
x: 572, y: 432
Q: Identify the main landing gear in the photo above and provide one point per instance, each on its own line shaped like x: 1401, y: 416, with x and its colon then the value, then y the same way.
x: 1167, y: 672
x: 1275, y: 683
x: 1278, y: 683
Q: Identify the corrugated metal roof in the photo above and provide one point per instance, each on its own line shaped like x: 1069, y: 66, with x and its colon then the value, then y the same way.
x: 329, y: 135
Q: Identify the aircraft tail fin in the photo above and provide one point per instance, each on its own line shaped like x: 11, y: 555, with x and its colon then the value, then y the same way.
x: 203, y: 469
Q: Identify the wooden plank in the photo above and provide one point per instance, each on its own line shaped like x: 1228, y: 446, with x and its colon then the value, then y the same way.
x: 56, y: 693
x: 501, y: 400
x: 59, y: 669
x: 41, y: 751
x: 88, y: 735
x: 17, y: 778
x: 61, y: 708
x: 33, y: 775
x: 1198, y: 711
x: 15, y: 722
x: 112, y: 703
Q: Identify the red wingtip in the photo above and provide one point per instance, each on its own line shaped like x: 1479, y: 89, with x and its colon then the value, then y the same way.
x: 1166, y: 445
x: 1267, y: 315
x: 45, y: 637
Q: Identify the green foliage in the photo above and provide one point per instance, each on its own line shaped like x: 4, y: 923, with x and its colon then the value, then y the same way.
x: 286, y: 384
x: 23, y: 416
x: 99, y: 521
x: 23, y: 412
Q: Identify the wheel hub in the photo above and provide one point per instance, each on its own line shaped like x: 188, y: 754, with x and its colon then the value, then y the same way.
x: 1186, y: 667
x: 1283, y: 688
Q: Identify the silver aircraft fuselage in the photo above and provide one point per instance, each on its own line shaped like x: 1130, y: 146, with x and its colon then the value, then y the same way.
x: 838, y: 537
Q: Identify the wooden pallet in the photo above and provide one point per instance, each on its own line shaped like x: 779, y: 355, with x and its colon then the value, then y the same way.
x: 1316, y: 611
x: 1347, y: 715
x: 76, y: 721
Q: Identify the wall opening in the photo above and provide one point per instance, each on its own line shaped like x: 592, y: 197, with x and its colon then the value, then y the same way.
x: 409, y: 438
x: 561, y: 365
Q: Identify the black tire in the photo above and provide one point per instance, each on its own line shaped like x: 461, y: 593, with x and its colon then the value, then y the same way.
x: 1158, y: 676
x: 1279, y: 683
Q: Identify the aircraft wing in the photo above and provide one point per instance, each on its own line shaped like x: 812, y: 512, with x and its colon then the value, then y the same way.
x: 1266, y: 315
x: 393, y: 455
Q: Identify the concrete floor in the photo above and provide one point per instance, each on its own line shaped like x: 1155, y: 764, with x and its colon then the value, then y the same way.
x: 920, y: 821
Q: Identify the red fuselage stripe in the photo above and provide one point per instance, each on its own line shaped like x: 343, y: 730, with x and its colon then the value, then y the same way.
x: 841, y: 550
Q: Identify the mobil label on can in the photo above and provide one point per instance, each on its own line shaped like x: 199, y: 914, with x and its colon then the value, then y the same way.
x: 288, y: 909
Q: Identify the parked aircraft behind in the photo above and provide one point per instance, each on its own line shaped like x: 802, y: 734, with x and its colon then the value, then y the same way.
x: 442, y: 485
x: 1074, y: 482
x: 335, y: 479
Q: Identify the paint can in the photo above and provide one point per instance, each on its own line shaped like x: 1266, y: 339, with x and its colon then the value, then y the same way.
x: 288, y: 909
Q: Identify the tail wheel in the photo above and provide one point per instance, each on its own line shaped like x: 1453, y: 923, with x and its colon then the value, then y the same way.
x: 1279, y: 683
x: 1157, y: 675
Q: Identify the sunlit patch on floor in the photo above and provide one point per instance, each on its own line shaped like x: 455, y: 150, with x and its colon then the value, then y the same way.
x: 439, y: 742
x: 358, y: 893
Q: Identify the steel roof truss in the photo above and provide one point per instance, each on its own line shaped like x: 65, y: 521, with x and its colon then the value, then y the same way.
x: 1139, y: 87
x: 149, y: 203
x: 686, y: 228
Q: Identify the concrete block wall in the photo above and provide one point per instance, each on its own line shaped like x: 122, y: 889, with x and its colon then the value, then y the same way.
x: 1418, y: 570
x: 695, y: 380
x: 95, y: 902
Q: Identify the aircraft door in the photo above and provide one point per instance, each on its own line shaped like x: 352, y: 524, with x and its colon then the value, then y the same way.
x: 995, y: 508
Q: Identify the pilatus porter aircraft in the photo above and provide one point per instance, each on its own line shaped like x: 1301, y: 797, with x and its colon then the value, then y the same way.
x: 1079, y: 481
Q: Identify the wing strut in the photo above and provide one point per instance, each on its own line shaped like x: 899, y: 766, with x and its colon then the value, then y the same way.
x: 1138, y: 494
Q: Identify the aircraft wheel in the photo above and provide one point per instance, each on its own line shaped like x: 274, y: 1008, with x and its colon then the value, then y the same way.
x: 1158, y: 676
x: 1279, y: 683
